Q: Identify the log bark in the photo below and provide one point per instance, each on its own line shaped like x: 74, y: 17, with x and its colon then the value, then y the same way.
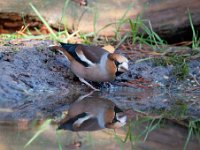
x: 168, y: 18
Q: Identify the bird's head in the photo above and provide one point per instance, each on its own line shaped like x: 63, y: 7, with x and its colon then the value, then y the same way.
x: 118, y: 120
x: 120, y: 62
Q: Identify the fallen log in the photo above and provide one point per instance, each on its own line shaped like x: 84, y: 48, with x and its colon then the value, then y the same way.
x: 169, y: 19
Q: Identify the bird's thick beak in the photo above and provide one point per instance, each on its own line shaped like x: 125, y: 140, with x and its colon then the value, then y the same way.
x: 124, y: 68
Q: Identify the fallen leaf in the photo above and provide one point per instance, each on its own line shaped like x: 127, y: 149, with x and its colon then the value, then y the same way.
x: 109, y: 48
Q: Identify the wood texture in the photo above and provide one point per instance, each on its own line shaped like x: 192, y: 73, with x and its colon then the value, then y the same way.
x: 168, y: 18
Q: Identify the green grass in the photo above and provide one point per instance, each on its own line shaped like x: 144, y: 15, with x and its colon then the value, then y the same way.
x: 44, y: 21
x: 178, y: 110
x: 180, y: 66
x: 9, y: 36
x: 193, y: 129
x: 137, y: 130
x: 195, y: 38
x: 129, y: 137
x: 56, y: 36
x: 42, y: 128
x: 123, y: 20
x: 142, y: 127
x: 62, y: 18
x: 142, y: 32
x: 58, y: 140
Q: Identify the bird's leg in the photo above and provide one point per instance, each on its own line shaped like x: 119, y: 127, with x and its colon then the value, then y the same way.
x: 84, y: 96
x: 88, y: 84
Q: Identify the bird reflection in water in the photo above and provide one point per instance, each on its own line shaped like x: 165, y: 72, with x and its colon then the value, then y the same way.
x: 92, y: 113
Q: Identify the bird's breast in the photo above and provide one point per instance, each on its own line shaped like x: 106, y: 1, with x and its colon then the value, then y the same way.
x: 95, y: 74
x: 98, y: 73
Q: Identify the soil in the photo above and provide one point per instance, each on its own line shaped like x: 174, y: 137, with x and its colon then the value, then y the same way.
x: 37, y: 83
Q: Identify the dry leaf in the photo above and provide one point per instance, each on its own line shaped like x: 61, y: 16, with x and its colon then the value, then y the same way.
x: 109, y: 48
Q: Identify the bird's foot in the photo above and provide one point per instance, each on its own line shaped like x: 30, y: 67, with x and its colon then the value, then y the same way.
x: 84, y: 96
x: 88, y: 84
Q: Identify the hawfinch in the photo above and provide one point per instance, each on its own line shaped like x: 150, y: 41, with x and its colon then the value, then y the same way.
x: 93, y: 63
x: 92, y: 114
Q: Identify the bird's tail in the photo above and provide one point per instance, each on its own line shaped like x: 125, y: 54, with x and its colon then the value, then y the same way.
x: 65, y: 126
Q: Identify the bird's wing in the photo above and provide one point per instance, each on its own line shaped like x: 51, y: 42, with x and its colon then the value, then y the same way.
x: 91, y: 53
x: 71, y: 49
x: 75, y: 122
x: 86, y: 55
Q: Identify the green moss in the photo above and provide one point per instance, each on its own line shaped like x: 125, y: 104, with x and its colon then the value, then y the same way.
x: 9, y: 36
x: 180, y: 66
x: 40, y: 48
x: 177, y: 111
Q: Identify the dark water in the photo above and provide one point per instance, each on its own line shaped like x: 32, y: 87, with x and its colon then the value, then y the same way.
x: 169, y: 136
x: 144, y: 132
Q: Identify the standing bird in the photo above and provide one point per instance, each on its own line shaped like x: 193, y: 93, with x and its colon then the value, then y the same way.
x: 92, y: 113
x: 93, y: 63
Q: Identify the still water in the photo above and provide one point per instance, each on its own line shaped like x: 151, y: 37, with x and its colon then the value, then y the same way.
x: 98, y: 122
x: 168, y: 136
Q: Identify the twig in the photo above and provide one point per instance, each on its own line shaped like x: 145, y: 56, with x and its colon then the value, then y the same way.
x: 194, y: 78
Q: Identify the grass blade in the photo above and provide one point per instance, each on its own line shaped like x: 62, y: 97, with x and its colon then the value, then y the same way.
x: 43, y: 20
x: 42, y: 129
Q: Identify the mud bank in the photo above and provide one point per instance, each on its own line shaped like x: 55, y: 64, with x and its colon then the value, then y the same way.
x: 36, y: 83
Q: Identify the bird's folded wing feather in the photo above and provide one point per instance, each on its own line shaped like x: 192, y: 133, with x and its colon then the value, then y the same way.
x: 71, y: 49
x: 86, y: 55
x: 90, y: 54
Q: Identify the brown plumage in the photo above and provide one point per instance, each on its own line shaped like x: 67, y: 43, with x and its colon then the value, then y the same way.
x: 93, y: 63
x: 92, y: 113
